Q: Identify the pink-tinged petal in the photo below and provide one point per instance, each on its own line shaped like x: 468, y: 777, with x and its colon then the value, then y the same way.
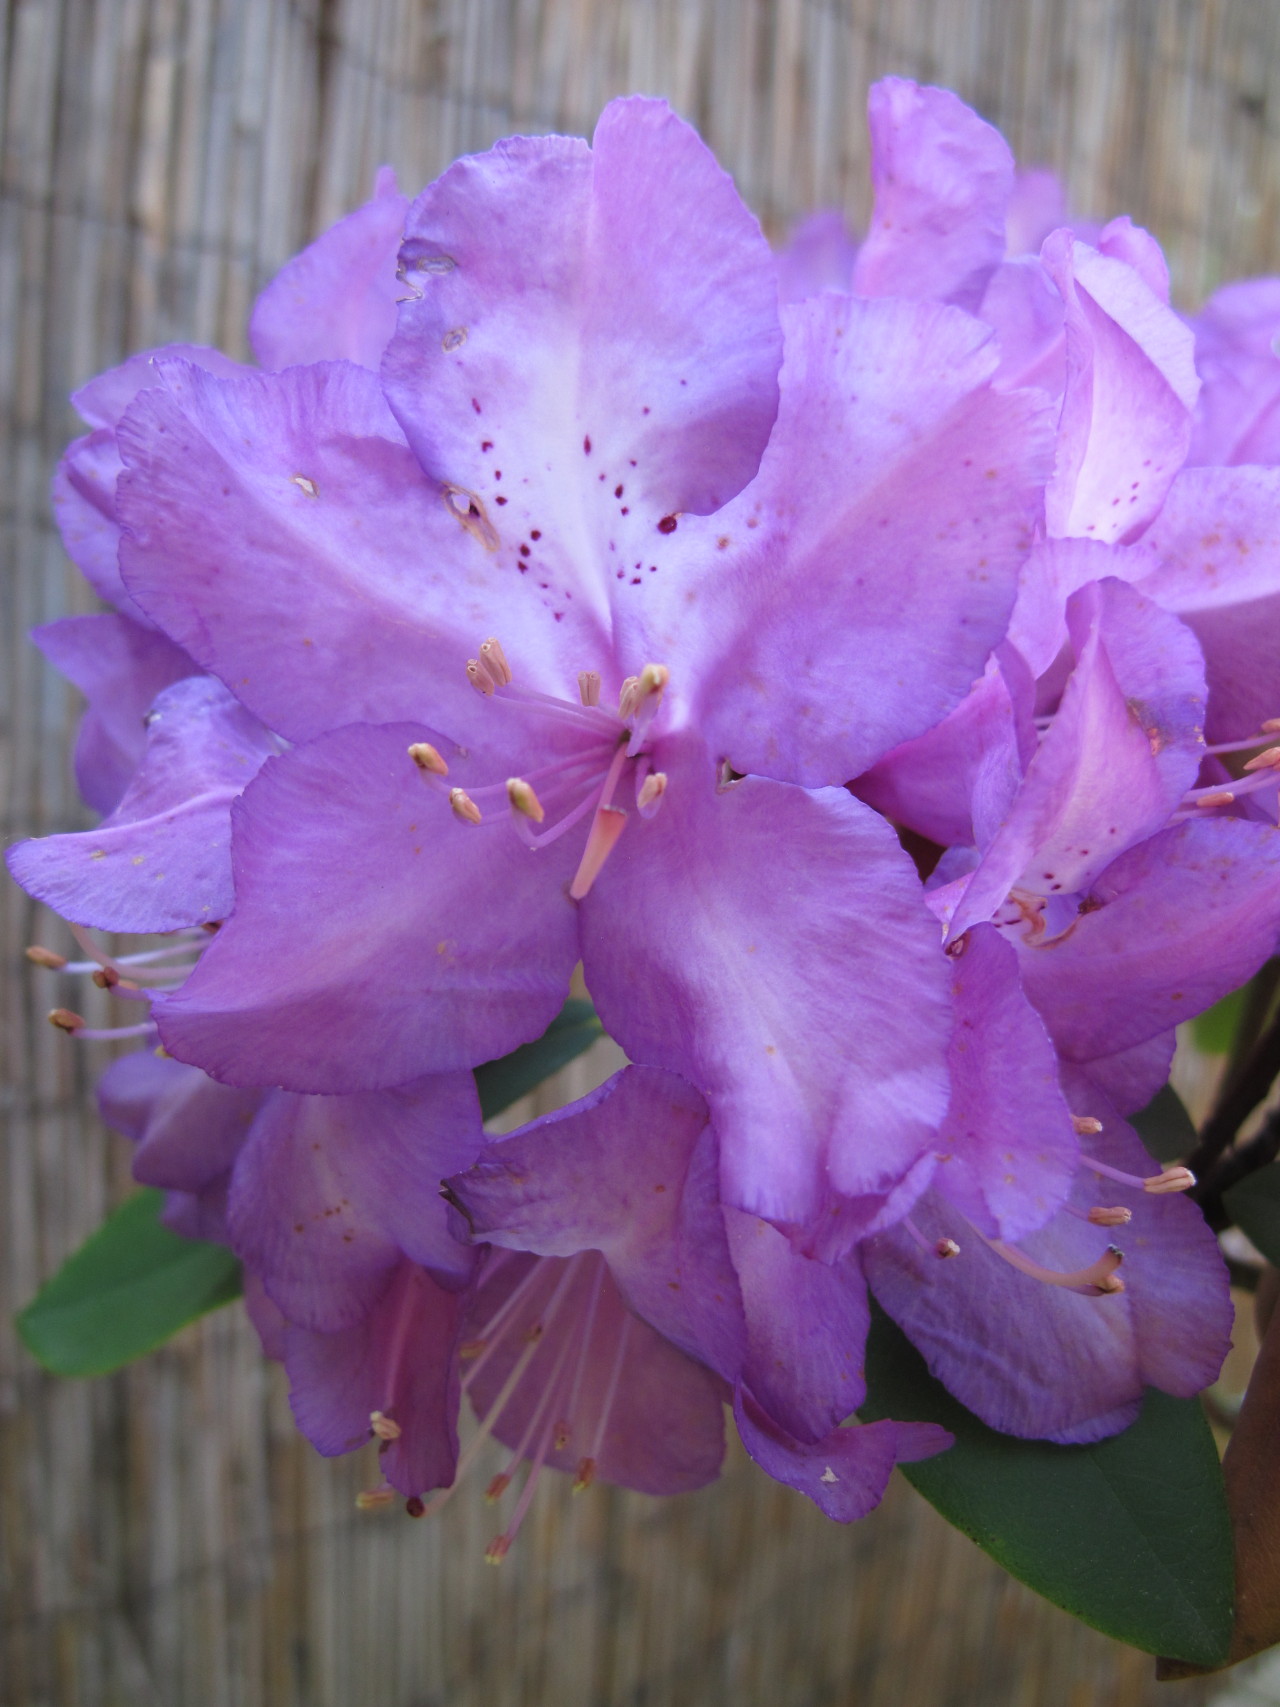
x: 1175, y: 924
x: 336, y: 301
x: 966, y: 769
x: 329, y: 1192
x: 161, y: 861
x: 591, y: 347
x: 1122, y: 749
x: 188, y: 1129
x: 1124, y: 241
x: 401, y: 1360
x: 942, y: 179
x: 281, y: 530
x: 818, y: 256
x: 1131, y: 387
x: 1008, y: 1145
x: 1213, y: 555
x: 119, y: 667
x: 851, y: 596
x: 1037, y: 206
x: 1238, y: 419
x: 772, y: 946
x: 844, y: 1475
x: 1024, y: 307
x: 375, y: 937
x: 806, y: 1325
x: 601, y: 1384
x: 629, y: 1171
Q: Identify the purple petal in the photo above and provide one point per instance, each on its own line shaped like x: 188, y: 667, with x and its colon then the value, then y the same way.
x: 1037, y: 206
x: 329, y: 1192
x: 1175, y: 924
x: 601, y: 1385
x: 1125, y: 241
x: 1122, y: 749
x: 401, y: 1360
x: 120, y: 667
x: 1131, y: 1077
x: 1131, y: 387
x: 1239, y: 415
x: 629, y: 1171
x: 1054, y: 570
x: 841, y: 595
x: 375, y: 936
x: 161, y: 861
x: 336, y: 301
x: 1010, y: 1148
x: 819, y: 255
x: 1024, y: 306
x: 188, y: 1129
x: 269, y: 1325
x: 630, y: 377
x: 844, y: 1475
x: 1213, y: 555
x: 942, y: 179
x: 772, y: 946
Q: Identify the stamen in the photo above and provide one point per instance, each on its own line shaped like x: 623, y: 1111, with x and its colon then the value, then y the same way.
x: 532, y: 840
x: 946, y: 1248
x: 1268, y: 760
x: 1086, y: 1125
x: 482, y: 1348
x: 651, y: 792
x: 502, y: 1481
x: 46, y: 957
x: 564, y: 1429
x: 428, y: 758
x: 464, y: 806
x: 65, y: 1020
x: 383, y: 1426
x: 1098, y: 1277
x: 1167, y: 1180
x: 480, y: 678
x: 1221, y: 797
x: 495, y: 660
x: 589, y: 687
x: 610, y: 822
x: 646, y: 697
x: 524, y: 800
x: 1101, y: 1216
x: 587, y: 1467
x: 372, y: 1498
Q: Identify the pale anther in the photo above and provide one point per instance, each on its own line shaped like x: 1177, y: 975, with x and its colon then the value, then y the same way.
x: 1222, y: 797
x: 1268, y: 760
x: 524, y: 799
x: 585, y: 1476
x: 1270, y: 726
x: 1170, y: 1179
x: 652, y: 789
x: 1085, y: 1124
x: 65, y: 1020
x: 492, y: 654
x: 46, y: 957
x: 1104, y: 1216
x: 947, y: 1248
x: 479, y: 677
x: 428, y: 758
x: 589, y: 687
x: 464, y: 806
x: 497, y: 1550
x: 372, y: 1498
x: 385, y: 1427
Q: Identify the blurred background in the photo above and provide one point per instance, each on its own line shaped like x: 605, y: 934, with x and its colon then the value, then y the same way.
x: 166, y: 1540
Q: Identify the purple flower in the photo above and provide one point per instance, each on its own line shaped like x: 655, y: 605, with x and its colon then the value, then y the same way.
x: 570, y: 487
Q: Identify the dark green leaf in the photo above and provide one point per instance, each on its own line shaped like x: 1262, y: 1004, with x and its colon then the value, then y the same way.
x: 1254, y: 1206
x: 1164, y: 1126
x: 129, y: 1287
x: 500, y: 1083
x: 1214, y: 1030
x: 1131, y: 1535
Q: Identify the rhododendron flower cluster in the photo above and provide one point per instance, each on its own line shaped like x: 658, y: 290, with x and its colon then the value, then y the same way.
x: 875, y: 695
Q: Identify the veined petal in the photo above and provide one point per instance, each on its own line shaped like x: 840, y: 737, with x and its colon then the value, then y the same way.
x: 771, y: 945
x: 375, y: 937
x: 336, y: 301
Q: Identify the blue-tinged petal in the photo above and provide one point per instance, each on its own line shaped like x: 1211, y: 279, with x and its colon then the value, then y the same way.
x: 375, y: 937
x: 188, y: 1129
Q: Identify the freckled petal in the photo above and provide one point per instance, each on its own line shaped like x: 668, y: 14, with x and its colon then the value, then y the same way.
x: 329, y: 1192
x: 356, y: 597
x: 120, y: 667
x: 844, y: 1475
x: 1123, y: 747
x: 609, y: 321
x: 868, y: 572
x: 1131, y: 388
x: 1185, y: 918
x: 1213, y: 555
x: 661, y: 1431
x: 629, y: 1171
x: 771, y: 945
x: 1008, y: 1135
x: 401, y: 1360
x: 375, y: 937
x: 161, y: 861
x: 188, y: 1129
x: 942, y: 180
x: 336, y: 301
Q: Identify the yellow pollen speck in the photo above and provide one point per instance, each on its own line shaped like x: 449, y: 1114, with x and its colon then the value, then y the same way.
x: 138, y: 859
x: 98, y: 853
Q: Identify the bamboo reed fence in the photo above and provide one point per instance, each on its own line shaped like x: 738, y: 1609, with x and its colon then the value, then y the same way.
x: 165, y: 1539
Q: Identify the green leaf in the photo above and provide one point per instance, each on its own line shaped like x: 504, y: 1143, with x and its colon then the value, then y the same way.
x: 1131, y: 1535
x: 1164, y: 1126
x: 129, y: 1287
x: 1254, y: 1206
x: 1214, y: 1030
x: 500, y: 1083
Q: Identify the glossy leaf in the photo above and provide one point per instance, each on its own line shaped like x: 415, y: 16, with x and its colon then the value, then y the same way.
x: 129, y: 1287
x: 1131, y: 1535
x: 1164, y: 1126
x: 1254, y: 1206
x: 500, y: 1083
